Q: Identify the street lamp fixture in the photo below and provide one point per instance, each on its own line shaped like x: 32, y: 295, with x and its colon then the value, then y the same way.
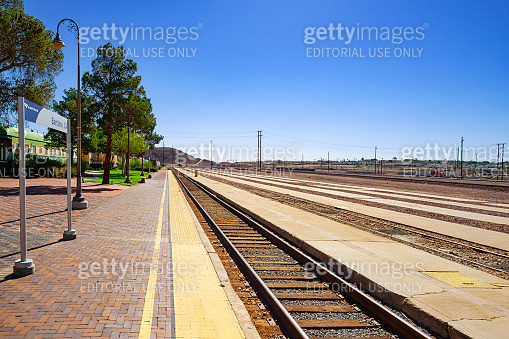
x: 57, y: 42
x: 78, y: 202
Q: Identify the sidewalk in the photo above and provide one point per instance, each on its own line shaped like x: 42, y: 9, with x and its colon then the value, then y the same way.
x: 122, y: 277
x: 46, y: 211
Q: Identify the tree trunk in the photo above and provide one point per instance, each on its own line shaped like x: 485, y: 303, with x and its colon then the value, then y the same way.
x: 107, y: 157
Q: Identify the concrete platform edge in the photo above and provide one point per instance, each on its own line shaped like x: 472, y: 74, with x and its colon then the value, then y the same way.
x: 402, y: 303
x: 237, y: 305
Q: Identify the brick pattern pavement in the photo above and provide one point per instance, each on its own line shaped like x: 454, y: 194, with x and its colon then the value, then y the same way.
x: 93, y: 286
x: 46, y: 216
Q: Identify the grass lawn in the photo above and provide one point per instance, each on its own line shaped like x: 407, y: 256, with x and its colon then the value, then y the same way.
x: 117, y: 178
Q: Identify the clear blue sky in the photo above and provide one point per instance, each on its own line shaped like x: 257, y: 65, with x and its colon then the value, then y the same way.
x: 250, y: 72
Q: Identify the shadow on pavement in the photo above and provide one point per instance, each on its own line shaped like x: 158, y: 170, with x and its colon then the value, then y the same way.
x: 32, y: 217
x: 11, y: 276
x: 32, y: 248
x: 53, y: 190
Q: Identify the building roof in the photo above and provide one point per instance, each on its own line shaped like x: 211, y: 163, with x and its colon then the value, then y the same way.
x: 30, y: 137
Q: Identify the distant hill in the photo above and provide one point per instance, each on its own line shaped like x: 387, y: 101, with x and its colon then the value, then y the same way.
x: 174, y: 156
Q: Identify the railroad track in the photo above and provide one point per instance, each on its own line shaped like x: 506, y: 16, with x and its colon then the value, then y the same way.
x: 307, y: 299
x: 498, y: 185
x: 488, y: 259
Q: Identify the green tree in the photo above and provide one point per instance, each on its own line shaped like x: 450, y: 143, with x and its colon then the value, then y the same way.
x: 28, y: 62
x: 139, y: 118
x: 138, y: 144
x: 120, y: 145
x: 111, y: 81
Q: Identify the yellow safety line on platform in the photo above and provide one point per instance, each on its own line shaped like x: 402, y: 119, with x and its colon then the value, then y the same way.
x: 202, y: 309
x: 148, y: 308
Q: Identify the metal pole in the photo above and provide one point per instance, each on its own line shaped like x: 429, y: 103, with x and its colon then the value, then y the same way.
x: 457, y: 158
x: 375, y: 159
x: 498, y: 157
x: 142, y: 174
x: 475, y: 166
x: 503, y: 148
x: 69, y: 187
x: 23, y: 266
x: 328, y: 162
x: 461, y: 161
x: 211, y: 155
x: 127, y: 179
x: 22, y: 181
x: 69, y: 234
x: 258, y: 155
x: 80, y: 202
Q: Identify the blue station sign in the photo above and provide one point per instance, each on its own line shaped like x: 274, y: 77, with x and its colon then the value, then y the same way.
x: 44, y: 117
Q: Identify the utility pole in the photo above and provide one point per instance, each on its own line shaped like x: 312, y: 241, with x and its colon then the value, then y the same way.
x: 461, y: 163
x: 498, y: 157
x: 302, y: 162
x: 375, y: 159
x: 475, y: 166
x: 163, y: 152
x: 500, y: 154
x: 259, y: 150
x: 457, y: 157
x: 258, y: 154
x: 328, y: 162
x: 211, y: 155
x: 503, y: 149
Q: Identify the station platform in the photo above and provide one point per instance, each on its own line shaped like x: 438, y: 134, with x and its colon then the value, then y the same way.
x: 477, y: 235
x: 451, y: 299
x: 139, y: 268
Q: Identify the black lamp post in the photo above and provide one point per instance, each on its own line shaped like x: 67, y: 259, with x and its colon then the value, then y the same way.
x: 78, y: 202
x: 128, y: 180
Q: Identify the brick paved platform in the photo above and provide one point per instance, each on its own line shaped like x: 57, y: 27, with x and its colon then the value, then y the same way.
x: 122, y: 277
x: 46, y: 211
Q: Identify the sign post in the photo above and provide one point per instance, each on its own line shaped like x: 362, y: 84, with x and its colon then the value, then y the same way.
x: 34, y: 113
x: 69, y: 233
x: 23, y: 266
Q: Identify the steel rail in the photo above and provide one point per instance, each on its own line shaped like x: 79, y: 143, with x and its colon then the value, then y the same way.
x: 399, y: 325
x: 287, y: 322
x: 412, y: 229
